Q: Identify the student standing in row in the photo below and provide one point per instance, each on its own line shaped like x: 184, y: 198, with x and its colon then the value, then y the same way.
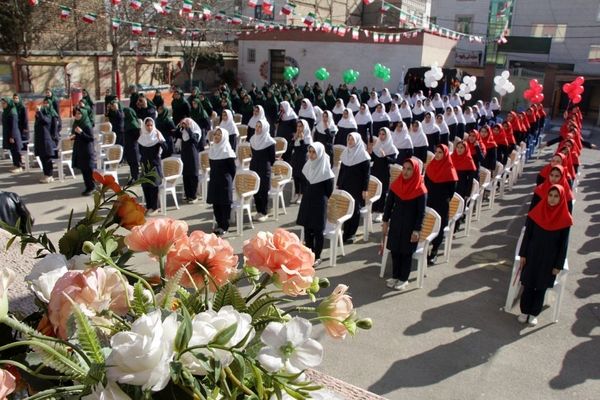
x: 131, y: 127
x: 287, y: 127
x: 190, y: 135
x: 11, y: 137
x: 220, y: 186
x: 84, y: 156
x: 384, y: 154
x: 44, y: 146
x: 263, y: 157
x: 151, y: 143
x: 302, y: 139
x: 325, y: 133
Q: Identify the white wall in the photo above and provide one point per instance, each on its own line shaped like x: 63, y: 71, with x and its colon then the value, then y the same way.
x: 337, y: 57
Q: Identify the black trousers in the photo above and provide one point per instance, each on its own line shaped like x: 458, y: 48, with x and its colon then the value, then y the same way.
x: 298, y: 185
x: 261, y: 201
x: 502, y: 153
x: 222, y: 213
x: 401, y: 265
x: 47, y: 165
x: 133, y: 159
x: 190, y: 186
x: 532, y: 301
x: 151, y: 195
x: 351, y: 226
x: 15, y: 153
x: 233, y: 141
x: 314, y: 241
x: 421, y: 153
x: 88, y: 180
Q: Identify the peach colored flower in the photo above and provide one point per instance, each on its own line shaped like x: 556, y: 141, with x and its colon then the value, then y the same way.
x: 283, y: 255
x: 213, y: 253
x: 156, y: 236
x: 94, y: 290
x: 336, y: 308
x: 107, y: 181
x: 130, y: 212
x: 8, y: 384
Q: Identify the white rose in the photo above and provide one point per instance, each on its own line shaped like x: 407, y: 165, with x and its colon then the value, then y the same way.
x: 7, y: 276
x: 205, y: 327
x: 112, y: 391
x: 79, y: 262
x: 142, y: 356
x: 44, y: 275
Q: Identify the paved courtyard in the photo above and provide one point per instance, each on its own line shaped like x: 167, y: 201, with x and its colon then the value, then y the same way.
x: 451, y: 339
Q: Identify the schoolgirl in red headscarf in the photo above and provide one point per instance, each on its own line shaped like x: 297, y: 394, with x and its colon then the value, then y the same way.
x: 500, y: 138
x: 556, y: 176
x: 491, y: 148
x: 476, y: 147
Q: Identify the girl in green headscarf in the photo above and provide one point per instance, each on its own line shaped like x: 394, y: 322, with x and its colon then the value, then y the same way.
x: 11, y: 136
x: 131, y: 151
x: 84, y: 157
x: 23, y: 120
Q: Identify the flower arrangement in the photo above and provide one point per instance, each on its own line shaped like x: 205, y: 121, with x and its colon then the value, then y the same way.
x: 208, y: 326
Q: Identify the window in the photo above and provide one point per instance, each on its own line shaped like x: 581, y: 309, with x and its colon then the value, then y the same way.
x: 556, y: 32
x: 6, y: 73
x: 251, y: 56
x: 259, y: 14
x: 594, y: 55
x: 464, y: 23
x: 433, y: 20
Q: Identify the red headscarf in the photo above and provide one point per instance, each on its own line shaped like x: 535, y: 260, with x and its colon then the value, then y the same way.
x: 540, y: 110
x: 488, y: 141
x: 465, y: 161
x: 439, y: 171
x: 515, y: 122
x: 524, y: 122
x: 567, y: 161
x: 542, y: 190
x: 531, y: 116
x: 472, y: 145
x: 552, y: 218
x: 545, y: 171
x: 500, y: 137
x: 411, y: 188
x: 508, y: 130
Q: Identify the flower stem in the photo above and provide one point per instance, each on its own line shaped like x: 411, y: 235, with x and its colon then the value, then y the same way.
x: 161, y: 264
x: 50, y: 393
x: 33, y: 373
x: 301, y: 309
x: 263, y: 284
x: 237, y: 382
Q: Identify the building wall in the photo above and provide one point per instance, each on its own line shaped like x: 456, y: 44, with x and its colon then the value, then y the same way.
x: 371, y: 14
x: 583, y: 25
x: 336, y: 10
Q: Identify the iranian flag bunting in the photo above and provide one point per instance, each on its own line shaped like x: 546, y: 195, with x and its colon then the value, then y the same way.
x: 390, y: 38
x: 397, y: 38
x: 375, y: 37
x: 236, y: 20
x: 355, y: 33
x: 33, y: 3
x: 159, y: 9
x: 341, y: 31
x: 65, y: 12
x: 252, y: 3
x: 367, y: 2
x: 206, y: 12
x: 136, y: 28
x: 115, y: 2
x: 326, y: 26
x: 267, y: 7
x: 164, y: 2
x: 135, y: 4
x: 288, y: 9
x: 152, y: 31
x: 220, y: 16
x: 309, y: 20
x: 385, y: 7
x: 89, y: 18
x: 187, y: 5
x: 115, y: 23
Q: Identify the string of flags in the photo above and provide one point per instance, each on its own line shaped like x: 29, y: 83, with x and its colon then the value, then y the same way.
x: 309, y: 21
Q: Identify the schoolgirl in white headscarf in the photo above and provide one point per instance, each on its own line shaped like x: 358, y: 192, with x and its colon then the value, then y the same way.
x: 383, y: 155
x: 455, y: 100
x: 419, y: 140
x: 405, y: 112
x: 385, y: 98
x: 150, y: 146
x: 345, y: 125
x: 438, y: 103
x: 354, y: 104
x: 395, y: 116
x: 470, y: 121
x: 229, y: 125
x: 397, y: 99
x: 307, y: 112
x: 257, y: 115
x: 418, y: 111
x: 402, y: 141
x: 460, y: 122
x: 263, y: 157
x: 428, y: 106
x: 325, y: 132
x: 221, y: 158
x: 364, y: 123
x: 381, y: 119
x: 286, y: 127
x: 302, y: 139
x: 452, y: 122
x: 221, y: 150
x: 373, y: 101
x: 432, y: 131
x: 495, y: 106
x: 444, y: 130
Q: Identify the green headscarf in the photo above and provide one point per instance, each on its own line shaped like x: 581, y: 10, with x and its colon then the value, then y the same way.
x: 84, y: 121
x: 131, y: 119
x: 163, y: 115
x: 11, y: 109
x: 198, y: 114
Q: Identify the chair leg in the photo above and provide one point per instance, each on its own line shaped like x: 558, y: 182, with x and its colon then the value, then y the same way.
x: 276, y: 206
x: 248, y: 209
x: 384, y: 259
x: 421, y: 265
x: 333, y: 250
x: 239, y: 220
x: 341, y: 241
x: 282, y: 202
x: 174, y: 194
x: 162, y: 195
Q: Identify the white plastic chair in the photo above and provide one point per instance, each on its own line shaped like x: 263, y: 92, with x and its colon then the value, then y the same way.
x: 172, y: 169
x: 65, y: 152
x: 280, y: 147
x: 430, y: 157
x: 429, y: 231
x: 455, y: 212
x: 246, y: 185
x: 505, y: 180
x: 237, y: 118
x: 114, y: 154
x: 204, y: 174
x: 107, y: 140
x: 104, y: 127
x: 244, y: 155
x: 338, y: 149
x: 395, y: 172
x: 243, y: 130
x: 484, y: 182
x: 522, y: 157
x: 420, y: 162
x: 470, y: 207
x: 366, y: 212
x: 450, y: 147
x: 514, y: 285
x: 281, y: 175
x: 340, y: 208
x: 494, y: 184
x: 31, y: 157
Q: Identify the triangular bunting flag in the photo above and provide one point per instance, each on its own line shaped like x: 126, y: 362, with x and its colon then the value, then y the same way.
x: 397, y: 38
x: 152, y: 31
x: 341, y: 31
x: 65, y: 12
x: 135, y: 4
x: 326, y: 26
x: 89, y: 18
x: 367, y: 2
x: 288, y: 9
x: 384, y: 8
x: 252, y: 3
x: 355, y: 33
x: 136, y: 28
x: 115, y: 2
x: 309, y: 20
x: 187, y: 5
x: 115, y: 23
x: 375, y: 37
x: 267, y: 7
x: 236, y: 20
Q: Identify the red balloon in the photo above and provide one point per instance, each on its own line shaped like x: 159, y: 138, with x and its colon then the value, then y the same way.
x: 567, y: 87
x: 540, y: 98
x: 576, y: 99
x: 533, y: 83
x: 579, y: 80
x: 527, y: 94
x: 577, y: 90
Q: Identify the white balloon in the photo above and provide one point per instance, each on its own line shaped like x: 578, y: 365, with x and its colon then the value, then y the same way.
x: 428, y: 73
x: 497, y: 79
x: 434, y: 84
x: 468, y: 96
x: 510, y: 89
x: 505, y: 74
x: 439, y: 76
x: 472, y: 87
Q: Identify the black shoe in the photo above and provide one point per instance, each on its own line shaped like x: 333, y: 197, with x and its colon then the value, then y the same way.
x: 87, y: 192
x: 431, y: 260
x: 348, y: 240
x: 219, y: 232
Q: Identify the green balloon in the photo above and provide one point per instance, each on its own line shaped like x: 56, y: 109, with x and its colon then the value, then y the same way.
x: 350, y: 76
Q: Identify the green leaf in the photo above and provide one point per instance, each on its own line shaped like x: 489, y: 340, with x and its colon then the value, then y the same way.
x: 258, y: 381
x: 260, y: 306
x: 229, y: 295
x: 184, y: 332
x: 166, y: 295
x: 224, y: 335
x: 139, y: 304
x: 87, y: 336
x: 111, y: 246
x: 296, y: 395
x: 72, y: 241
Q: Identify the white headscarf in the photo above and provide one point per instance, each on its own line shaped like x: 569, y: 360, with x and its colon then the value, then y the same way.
x: 363, y: 117
x: 455, y: 100
x: 418, y: 109
x: 318, y: 170
x: 255, y: 119
x: 450, y: 118
x: 469, y: 116
x: 494, y: 105
x: 192, y: 126
x: 387, y: 145
x: 349, y: 122
x: 394, y: 113
x: 430, y: 127
x: 318, y: 113
x: 229, y: 125
x: 459, y: 115
x: 398, y: 100
x: 385, y: 96
x: 446, y: 101
x: 379, y: 116
x: 320, y: 127
x: 150, y: 138
x: 221, y: 150
x: 353, y: 103
x: 488, y: 111
x: 339, y: 106
x: 262, y: 140
x: 412, y: 100
x: 418, y: 138
x: 288, y: 112
x: 357, y: 154
x: 373, y: 100
x: 444, y: 130
x: 401, y: 137
x: 309, y: 112
x: 307, y: 133
x: 428, y: 106
x: 437, y: 101
x: 405, y: 110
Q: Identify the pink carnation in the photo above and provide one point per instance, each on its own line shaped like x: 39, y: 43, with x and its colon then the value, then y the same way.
x: 336, y: 308
x: 213, y: 253
x: 156, y: 236
x: 8, y: 383
x: 94, y: 290
x: 282, y: 254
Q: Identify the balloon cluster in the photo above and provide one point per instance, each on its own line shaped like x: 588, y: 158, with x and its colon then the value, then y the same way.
x: 382, y: 72
x: 433, y: 75
x: 502, y: 85
x: 574, y: 89
x: 468, y: 85
x: 290, y: 73
x: 350, y: 76
x: 534, y: 93
x: 322, y: 74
